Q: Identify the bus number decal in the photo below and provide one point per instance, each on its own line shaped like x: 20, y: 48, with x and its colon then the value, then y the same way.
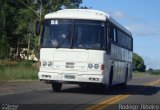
x: 54, y: 22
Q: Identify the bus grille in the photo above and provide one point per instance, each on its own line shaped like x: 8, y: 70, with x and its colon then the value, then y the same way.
x: 69, y: 65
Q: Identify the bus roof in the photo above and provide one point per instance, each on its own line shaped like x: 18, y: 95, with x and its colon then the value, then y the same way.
x: 87, y: 14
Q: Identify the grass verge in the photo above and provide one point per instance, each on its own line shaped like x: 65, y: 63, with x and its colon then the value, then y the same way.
x: 136, y: 73
x: 24, y: 70
x: 154, y: 72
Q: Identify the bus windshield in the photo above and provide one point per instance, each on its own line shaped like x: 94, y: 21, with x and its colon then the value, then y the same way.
x: 81, y: 34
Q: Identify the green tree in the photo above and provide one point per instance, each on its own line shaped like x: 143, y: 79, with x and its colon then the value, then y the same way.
x: 18, y: 18
x: 39, y: 8
x: 138, y: 63
x: 25, y: 28
x: 4, y: 43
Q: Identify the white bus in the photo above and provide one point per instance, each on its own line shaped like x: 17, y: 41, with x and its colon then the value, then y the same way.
x: 84, y: 46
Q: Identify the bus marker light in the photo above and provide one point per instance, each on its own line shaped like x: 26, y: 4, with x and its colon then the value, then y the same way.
x: 102, y: 67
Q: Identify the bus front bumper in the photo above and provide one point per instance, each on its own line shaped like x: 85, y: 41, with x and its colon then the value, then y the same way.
x: 71, y: 77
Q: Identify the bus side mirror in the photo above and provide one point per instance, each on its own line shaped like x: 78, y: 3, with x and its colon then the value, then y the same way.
x: 38, y: 28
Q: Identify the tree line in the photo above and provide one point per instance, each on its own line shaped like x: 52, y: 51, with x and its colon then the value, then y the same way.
x: 17, y: 23
x: 17, y: 26
x: 138, y: 63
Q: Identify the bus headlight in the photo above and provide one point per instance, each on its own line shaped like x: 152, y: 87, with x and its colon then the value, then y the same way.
x: 96, y: 66
x: 44, y: 63
x: 49, y: 63
x: 90, y: 66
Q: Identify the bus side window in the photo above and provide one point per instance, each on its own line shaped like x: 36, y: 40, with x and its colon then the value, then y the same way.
x: 113, y: 34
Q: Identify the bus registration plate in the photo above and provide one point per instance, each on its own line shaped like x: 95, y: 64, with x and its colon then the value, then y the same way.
x: 68, y: 76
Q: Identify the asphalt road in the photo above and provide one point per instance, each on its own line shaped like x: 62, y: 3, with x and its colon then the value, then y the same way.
x: 142, y: 92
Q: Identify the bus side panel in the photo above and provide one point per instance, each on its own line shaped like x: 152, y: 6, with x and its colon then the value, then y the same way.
x: 121, y: 59
x: 107, y: 68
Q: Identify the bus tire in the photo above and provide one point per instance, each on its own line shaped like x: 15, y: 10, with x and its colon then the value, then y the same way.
x: 56, y: 86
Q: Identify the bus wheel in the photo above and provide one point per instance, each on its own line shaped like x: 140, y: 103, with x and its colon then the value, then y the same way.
x: 56, y: 86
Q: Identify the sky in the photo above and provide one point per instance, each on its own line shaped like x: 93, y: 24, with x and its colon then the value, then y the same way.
x: 142, y: 19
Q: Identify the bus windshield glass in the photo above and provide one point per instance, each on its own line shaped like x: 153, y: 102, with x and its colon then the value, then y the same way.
x: 57, y: 33
x: 89, y: 34
x: 81, y: 34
